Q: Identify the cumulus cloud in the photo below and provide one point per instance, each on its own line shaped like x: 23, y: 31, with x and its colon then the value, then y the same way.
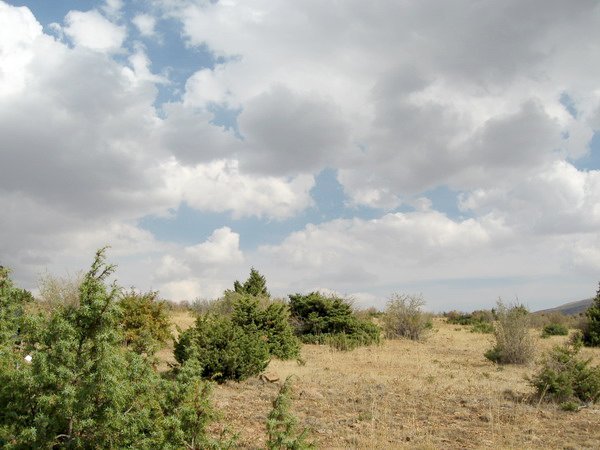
x: 86, y: 154
x: 91, y: 30
x: 290, y: 133
x: 559, y: 199
x: 145, y: 23
x: 454, y: 94
x: 455, y: 264
x: 220, y: 186
x: 18, y: 30
x: 202, y: 270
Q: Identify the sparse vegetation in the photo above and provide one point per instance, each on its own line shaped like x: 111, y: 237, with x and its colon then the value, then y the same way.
x: 483, y: 327
x: 514, y: 344
x: 404, y: 317
x: 59, y: 291
x: 78, y: 375
x: 473, y: 318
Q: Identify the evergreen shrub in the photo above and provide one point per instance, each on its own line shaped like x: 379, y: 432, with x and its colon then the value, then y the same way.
x: 567, y: 379
x: 319, y: 319
x: 591, y: 331
x: 223, y: 349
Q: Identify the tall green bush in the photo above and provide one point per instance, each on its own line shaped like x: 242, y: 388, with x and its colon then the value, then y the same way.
x: 13, y: 302
x: 591, y: 333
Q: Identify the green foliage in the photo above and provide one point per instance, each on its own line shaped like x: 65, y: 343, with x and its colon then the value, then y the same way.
x: 404, y: 317
x: 271, y: 322
x: 84, y: 389
x: 514, y: 344
x: 12, y: 308
x: 145, y: 322
x: 473, y: 318
x: 567, y: 379
x: 591, y: 333
x: 255, y: 285
x: 71, y: 393
x: 325, y: 320
x: 187, y: 411
x: 555, y: 329
x: 282, y: 424
x: 223, y: 349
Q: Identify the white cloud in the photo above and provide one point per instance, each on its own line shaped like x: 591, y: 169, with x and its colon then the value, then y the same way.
x: 85, y: 156
x: 92, y: 30
x: 18, y: 30
x: 559, y: 199
x: 113, y: 7
x: 455, y: 264
x: 145, y: 23
x: 423, y: 101
x: 202, y: 270
x: 220, y: 186
x: 221, y: 247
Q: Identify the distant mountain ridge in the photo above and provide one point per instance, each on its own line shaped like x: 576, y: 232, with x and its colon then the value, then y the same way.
x: 571, y: 308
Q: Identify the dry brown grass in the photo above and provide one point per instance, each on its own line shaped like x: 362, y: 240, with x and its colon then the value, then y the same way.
x: 441, y: 393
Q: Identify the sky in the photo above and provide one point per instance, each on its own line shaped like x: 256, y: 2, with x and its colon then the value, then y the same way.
x: 359, y: 148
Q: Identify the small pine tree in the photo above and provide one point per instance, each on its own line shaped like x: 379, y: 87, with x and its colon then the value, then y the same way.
x: 566, y: 378
x: 282, y: 424
x: 255, y: 285
x: 591, y: 334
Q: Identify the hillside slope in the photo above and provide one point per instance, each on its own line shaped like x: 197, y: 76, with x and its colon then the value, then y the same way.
x: 571, y: 308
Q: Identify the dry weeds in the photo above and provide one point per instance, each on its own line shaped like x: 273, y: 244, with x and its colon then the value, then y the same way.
x: 441, y: 393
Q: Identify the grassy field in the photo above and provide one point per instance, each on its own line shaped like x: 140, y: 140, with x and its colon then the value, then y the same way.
x: 440, y: 393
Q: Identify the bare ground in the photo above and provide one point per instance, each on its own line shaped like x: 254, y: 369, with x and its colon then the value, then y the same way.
x: 440, y: 393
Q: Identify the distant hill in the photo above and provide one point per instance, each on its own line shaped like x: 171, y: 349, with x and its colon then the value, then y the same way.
x: 570, y: 309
